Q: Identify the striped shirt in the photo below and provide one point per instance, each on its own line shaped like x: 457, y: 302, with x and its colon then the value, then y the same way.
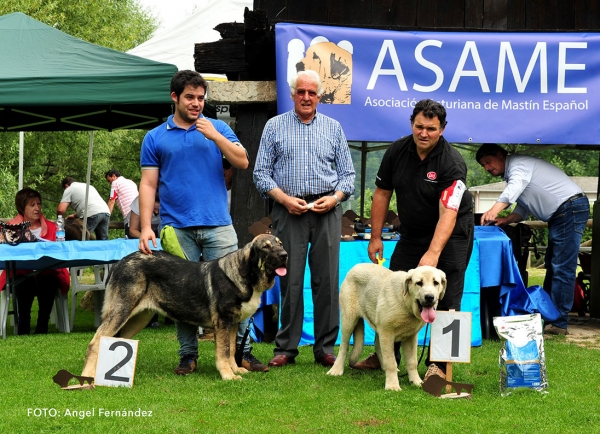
x: 123, y: 191
x: 303, y: 159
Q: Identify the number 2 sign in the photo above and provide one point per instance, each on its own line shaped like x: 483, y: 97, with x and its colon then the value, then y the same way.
x: 451, y: 337
x: 116, y: 362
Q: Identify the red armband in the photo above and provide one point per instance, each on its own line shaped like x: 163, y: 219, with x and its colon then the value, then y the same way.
x: 452, y: 196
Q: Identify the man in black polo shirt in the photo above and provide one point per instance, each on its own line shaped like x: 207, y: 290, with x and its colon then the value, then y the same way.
x: 434, y: 207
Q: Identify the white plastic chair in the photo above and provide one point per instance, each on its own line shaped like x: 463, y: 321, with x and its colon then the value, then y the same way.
x: 5, y: 301
x: 60, y: 312
x: 98, y: 287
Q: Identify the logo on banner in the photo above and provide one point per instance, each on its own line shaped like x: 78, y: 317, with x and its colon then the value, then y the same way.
x: 332, y: 62
x: 431, y: 176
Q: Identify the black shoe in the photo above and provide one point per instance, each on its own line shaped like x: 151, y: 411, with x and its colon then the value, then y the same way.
x: 186, y: 366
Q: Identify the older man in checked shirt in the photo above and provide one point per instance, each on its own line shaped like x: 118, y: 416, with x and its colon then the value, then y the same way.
x: 304, y: 165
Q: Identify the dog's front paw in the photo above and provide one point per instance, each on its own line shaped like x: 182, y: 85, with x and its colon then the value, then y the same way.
x: 415, y: 380
x: 336, y: 371
x: 394, y: 387
x: 239, y: 370
x: 228, y: 374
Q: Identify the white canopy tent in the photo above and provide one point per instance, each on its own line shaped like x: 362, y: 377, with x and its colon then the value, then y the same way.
x: 175, y: 44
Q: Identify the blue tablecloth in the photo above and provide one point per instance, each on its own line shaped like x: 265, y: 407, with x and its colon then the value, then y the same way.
x: 498, y: 264
x: 355, y: 252
x: 42, y: 255
x: 47, y: 255
x: 492, y: 264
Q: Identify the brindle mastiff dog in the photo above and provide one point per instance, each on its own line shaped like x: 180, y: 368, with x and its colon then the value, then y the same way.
x: 217, y: 294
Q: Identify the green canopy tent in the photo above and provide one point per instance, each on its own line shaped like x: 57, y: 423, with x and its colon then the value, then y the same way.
x: 51, y: 81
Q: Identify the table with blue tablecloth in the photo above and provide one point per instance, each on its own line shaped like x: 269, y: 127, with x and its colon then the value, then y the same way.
x: 48, y: 255
x: 492, y: 264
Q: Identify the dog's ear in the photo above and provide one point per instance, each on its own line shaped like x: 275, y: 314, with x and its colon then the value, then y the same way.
x: 249, y: 259
x: 407, y: 281
x: 444, y: 283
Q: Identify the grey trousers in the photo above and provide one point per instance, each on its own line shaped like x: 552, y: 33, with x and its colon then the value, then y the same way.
x: 318, y: 237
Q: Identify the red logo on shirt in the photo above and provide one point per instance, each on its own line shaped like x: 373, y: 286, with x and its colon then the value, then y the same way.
x: 431, y: 176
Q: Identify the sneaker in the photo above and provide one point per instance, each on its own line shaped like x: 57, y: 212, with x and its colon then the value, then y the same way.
x: 186, y: 366
x: 553, y: 330
x: 251, y: 363
x: 370, y: 363
x: 434, y: 370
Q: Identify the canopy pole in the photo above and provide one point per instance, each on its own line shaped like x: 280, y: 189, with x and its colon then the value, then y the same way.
x: 21, y: 157
x: 363, y: 173
x: 87, y: 184
x: 595, y: 278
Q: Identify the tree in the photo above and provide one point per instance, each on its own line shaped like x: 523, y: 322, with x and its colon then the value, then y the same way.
x: 117, y: 24
x: 49, y: 157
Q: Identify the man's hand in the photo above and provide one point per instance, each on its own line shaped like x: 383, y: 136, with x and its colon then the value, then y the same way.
x: 294, y: 205
x: 147, y: 235
x: 500, y: 221
x: 488, y: 218
x: 375, y: 249
x: 430, y: 259
x: 323, y: 205
x: 206, y: 127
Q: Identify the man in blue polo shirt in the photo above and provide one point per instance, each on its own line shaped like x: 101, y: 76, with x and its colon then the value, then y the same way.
x: 183, y: 158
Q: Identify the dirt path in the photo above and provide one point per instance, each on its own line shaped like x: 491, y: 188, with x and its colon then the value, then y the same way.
x: 583, y: 331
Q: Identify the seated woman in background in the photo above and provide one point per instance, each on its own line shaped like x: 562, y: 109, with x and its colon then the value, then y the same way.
x: 45, y: 284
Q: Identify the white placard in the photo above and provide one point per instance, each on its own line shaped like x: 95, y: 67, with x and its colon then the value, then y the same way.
x: 451, y: 337
x: 116, y: 362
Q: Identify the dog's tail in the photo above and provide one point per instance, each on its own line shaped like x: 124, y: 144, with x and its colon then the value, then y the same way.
x: 359, y: 342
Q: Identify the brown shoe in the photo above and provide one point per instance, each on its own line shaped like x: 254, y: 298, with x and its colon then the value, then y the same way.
x: 553, y: 330
x: 327, y: 360
x: 251, y: 363
x: 370, y: 363
x: 186, y: 366
x: 281, y: 360
x: 434, y: 370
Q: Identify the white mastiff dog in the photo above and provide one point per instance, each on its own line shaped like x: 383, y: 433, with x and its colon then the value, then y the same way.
x: 396, y: 305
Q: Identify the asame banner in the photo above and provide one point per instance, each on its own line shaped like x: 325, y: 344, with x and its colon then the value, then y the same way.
x: 529, y: 88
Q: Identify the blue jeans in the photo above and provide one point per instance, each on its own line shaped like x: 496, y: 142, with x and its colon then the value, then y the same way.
x: 206, y: 243
x: 98, y: 223
x: 565, y: 229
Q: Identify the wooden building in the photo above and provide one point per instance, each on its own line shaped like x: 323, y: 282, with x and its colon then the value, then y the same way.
x: 247, y: 53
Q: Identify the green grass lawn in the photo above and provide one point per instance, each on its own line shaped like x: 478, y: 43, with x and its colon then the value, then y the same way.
x: 297, y: 398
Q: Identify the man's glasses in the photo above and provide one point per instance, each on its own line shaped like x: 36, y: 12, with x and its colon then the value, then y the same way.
x: 302, y: 92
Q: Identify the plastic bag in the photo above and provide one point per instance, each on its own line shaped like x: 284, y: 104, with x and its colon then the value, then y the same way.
x: 522, y: 358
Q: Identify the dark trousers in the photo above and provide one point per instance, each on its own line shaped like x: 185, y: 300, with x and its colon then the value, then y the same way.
x: 316, y: 236
x: 45, y: 288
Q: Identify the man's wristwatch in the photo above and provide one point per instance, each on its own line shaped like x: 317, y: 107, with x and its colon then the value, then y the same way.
x: 337, y: 201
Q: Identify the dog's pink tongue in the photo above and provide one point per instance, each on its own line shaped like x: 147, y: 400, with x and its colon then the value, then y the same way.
x: 428, y: 314
x: 281, y: 271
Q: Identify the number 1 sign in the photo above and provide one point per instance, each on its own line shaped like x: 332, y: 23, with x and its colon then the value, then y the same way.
x: 116, y: 362
x: 451, y: 337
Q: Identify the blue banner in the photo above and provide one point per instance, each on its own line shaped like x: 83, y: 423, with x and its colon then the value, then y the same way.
x: 529, y: 88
